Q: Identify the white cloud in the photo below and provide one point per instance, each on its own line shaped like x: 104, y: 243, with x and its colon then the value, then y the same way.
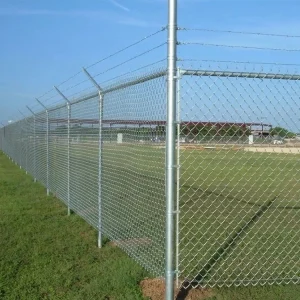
x: 119, y: 5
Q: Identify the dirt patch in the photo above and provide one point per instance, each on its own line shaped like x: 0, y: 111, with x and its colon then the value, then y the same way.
x: 278, y: 149
x: 154, y: 289
x: 211, y: 148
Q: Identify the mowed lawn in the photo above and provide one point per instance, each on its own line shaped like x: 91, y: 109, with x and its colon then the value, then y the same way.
x: 240, y: 212
x: 45, y: 254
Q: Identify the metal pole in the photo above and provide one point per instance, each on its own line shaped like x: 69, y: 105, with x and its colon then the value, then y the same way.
x: 47, y: 147
x: 2, y: 137
x: 69, y: 148
x: 178, y: 174
x: 47, y: 138
x: 34, y: 145
x: 25, y: 138
x: 101, y: 98
x: 170, y: 148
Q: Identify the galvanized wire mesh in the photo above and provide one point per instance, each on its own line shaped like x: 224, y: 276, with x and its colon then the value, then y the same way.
x: 133, y: 183
x: 58, y: 153
x: 238, y: 191
x: 84, y: 160
x: 41, y: 157
x: 103, y: 155
x: 31, y: 143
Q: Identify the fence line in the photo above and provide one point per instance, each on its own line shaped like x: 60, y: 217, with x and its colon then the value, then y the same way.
x: 191, y: 170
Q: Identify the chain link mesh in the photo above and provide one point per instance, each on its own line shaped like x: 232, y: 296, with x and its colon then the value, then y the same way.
x: 237, y: 184
x: 238, y: 190
x: 58, y: 153
x: 104, y: 157
x: 133, y: 185
x: 84, y: 160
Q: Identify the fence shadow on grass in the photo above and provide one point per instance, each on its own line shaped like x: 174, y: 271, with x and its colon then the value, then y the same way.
x: 222, y: 251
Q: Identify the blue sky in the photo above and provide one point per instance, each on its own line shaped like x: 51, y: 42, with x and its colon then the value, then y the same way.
x: 45, y: 42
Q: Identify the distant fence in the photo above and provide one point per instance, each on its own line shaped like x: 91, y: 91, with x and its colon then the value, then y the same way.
x: 207, y: 206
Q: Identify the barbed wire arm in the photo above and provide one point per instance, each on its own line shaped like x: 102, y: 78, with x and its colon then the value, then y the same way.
x: 92, y: 80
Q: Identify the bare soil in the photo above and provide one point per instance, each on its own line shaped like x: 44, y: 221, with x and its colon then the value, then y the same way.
x: 278, y: 149
x: 154, y: 289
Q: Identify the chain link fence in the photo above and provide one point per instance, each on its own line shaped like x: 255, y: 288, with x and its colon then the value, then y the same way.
x: 238, y: 191
x: 235, y: 194
x: 103, y: 155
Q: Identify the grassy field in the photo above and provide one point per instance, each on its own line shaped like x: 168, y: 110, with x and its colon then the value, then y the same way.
x: 220, y: 193
x: 46, y: 255
x: 239, y: 217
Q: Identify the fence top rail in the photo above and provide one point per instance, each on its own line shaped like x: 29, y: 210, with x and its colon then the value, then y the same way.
x: 113, y: 88
x: 211, y: 73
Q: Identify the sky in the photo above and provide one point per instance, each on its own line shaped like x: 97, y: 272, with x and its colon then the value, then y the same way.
x: 43, y: 43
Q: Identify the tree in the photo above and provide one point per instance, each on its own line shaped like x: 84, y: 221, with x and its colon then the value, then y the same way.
x: 282, y: 132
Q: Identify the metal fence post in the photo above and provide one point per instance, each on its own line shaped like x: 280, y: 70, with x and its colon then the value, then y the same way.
x: 2, y: 137
x: 47, y: 147
x: 34, y: 144
x: 100, y: 168
x: 20, y: 145
x: 101, y: 98
x: 69, y: 148
x: 25, y: 138
x: 178, y: 175
x: 171, y: 148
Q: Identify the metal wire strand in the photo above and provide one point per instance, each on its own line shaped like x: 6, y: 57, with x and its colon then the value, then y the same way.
x: 238, y: 46
x: 240, y: 32
x: 127, y: 47
x: 131, y: 59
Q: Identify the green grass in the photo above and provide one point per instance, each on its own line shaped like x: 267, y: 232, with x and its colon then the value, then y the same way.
x: 46, y: 253
x: 220, y: 192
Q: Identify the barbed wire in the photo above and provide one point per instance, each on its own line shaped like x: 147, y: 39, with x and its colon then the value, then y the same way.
x: 73, y: 76
x: 133, y: 71
x: 75, y: 85
x: 240, y: 32
x: 46, y: 93
x: 238, y: 46
x: 109, y: 56
x: 127, y: 47
x: 130, y: 59
x: 90, y: 87
x: 72, y: 96
x: 237, y: 62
